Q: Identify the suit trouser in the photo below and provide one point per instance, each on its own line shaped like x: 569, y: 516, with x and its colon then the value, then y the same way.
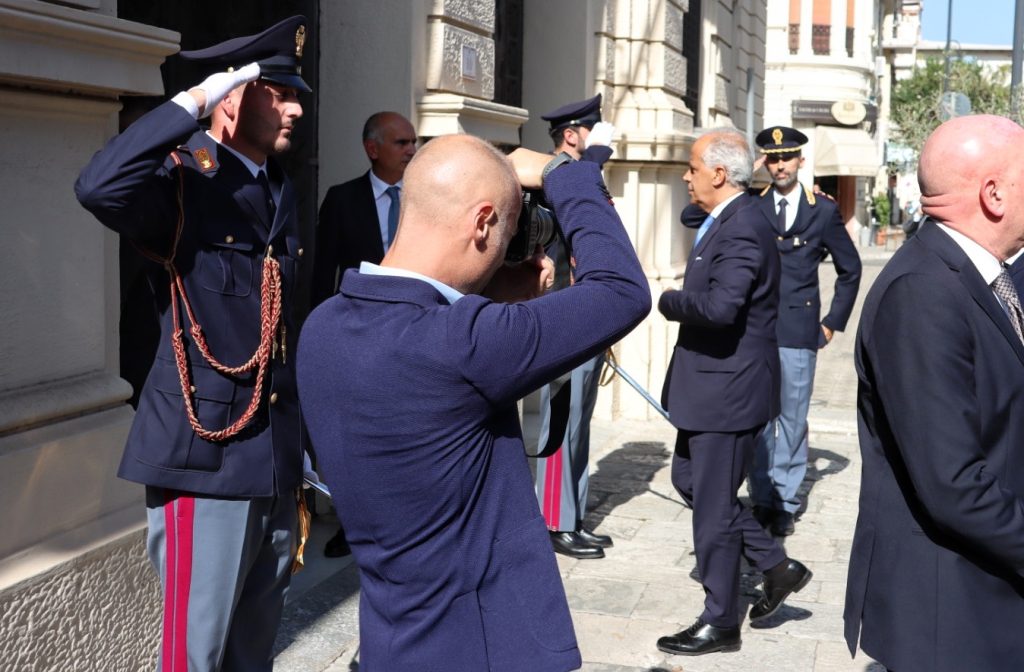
x: 707, y: 471
x: 562, y: 480
x: 780, y: 458
x: 225, y: 566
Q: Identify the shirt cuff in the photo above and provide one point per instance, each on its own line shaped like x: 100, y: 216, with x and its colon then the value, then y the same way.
x: 188, y: 103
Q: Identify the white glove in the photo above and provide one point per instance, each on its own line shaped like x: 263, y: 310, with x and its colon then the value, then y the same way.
x: 219, y: 84
x: 600, y: 134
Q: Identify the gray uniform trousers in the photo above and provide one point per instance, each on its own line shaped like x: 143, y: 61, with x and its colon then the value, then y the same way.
x: 224, y: 566
x: 562, y: 479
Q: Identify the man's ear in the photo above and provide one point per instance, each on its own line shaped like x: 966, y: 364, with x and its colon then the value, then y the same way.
x: 484, y: 220
x: 719, y: 178
x: 370, y: 146
x: 570, y: 137
x: 993, y: 198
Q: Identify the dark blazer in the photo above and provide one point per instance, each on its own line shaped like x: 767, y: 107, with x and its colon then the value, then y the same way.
x: 817, y: 232
x: 936, y: 578
x: 724, y: 372
x: 131, y: 186
x: 419, y: 440
x: 347, y: 234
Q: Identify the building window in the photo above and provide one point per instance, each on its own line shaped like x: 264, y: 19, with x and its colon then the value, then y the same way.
x: 794, y: 26
x: 851, y: 20
x: 508, y: 52
x: 691, y: 52
x: 821, y: 27
x: 820, y: 36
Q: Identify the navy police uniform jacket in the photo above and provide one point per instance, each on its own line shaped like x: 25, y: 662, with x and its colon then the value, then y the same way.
x: 724, y: 371
x: 411, y: 406
x: 817, y: 232
x: 131, y: 186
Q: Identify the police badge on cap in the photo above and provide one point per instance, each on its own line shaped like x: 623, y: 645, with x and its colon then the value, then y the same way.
x: 278, y: 50
x: 780, y: 140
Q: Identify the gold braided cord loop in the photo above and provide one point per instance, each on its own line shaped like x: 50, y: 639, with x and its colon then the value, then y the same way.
x: 270, y: 321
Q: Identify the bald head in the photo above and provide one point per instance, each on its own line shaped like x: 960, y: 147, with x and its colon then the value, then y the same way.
x: 451, y: 174
x: 967, y: 182
x: 460, y: 202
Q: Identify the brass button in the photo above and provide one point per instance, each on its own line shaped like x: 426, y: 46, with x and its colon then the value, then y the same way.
x: 229, y: 239
x: 301, y: 251
x: 270, y: 250
x: 780, y: 237
x: 192, y: 389
x: 273, y: 397
x: 808, y: 303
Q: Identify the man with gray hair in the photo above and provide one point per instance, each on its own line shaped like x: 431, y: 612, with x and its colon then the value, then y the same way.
x: 722, y: 386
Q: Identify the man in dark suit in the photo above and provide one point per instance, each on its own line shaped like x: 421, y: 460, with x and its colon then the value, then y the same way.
x: 217, y: 436
x: 358, y: 221
x: 808, y: 228
x: 936, y: 579
x: 721, y: 387
x: 409, y: 380
x: 356, y: 217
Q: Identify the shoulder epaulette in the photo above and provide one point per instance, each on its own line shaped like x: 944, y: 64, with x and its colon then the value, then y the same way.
x: 765, y: 190
x: 810, y: 195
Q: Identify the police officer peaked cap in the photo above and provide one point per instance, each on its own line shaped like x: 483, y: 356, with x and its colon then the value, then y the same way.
x: 583, y: 113
x: 780, y: 140
x: 278, y: 50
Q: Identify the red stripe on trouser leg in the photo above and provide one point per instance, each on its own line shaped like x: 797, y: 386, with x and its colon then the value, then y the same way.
x: 179, y: 516
x: 553, y: 489
x: 170, y: 572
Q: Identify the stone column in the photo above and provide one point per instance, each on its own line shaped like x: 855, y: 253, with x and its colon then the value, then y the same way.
x: 72, y: 547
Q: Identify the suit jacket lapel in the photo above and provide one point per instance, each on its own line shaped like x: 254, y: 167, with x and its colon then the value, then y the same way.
x: 367, y: 207
x: 722, y: 218
x: 769, y: 210
x: 968, y: 274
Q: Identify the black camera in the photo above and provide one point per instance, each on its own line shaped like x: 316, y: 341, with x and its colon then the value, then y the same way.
x: 536, y: 226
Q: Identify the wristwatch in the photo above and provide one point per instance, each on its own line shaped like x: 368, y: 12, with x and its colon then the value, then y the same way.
x: 560, y: 158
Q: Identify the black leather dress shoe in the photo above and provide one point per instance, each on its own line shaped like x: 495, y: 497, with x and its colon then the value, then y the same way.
x: 764, y: 516
x: 779, y: 583
x: 602, y: 540
x: 701, y: 638
x: 570, y: 543
x: 783, y: 525
x: 337, y: 547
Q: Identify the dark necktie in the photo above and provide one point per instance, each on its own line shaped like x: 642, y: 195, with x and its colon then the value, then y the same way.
x: 782, y: 216
x: 392, y: 193
x: 268, y: 196
x: 1003, y: 287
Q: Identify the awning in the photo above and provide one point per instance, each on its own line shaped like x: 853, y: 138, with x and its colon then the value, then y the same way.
x: 845, y: 151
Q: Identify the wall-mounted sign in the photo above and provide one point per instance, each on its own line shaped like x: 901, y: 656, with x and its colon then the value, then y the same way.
x: 834, y: 112
x: 848, y: 112
x: 468, y: 62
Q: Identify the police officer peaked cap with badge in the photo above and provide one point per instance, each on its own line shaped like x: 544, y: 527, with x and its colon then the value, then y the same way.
x: 584, y: 113
x: 277, y: 50
x: 780, y: 140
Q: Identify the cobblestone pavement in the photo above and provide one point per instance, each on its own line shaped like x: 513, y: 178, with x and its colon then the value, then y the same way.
x: 645, y: 587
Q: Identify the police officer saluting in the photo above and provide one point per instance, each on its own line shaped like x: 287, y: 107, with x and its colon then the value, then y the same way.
x: 808, y: 228
x: 561, y: 480
x: 216, y: 440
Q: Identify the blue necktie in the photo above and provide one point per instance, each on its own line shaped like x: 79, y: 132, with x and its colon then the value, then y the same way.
x: 392, y: 193
x: 708, y: 221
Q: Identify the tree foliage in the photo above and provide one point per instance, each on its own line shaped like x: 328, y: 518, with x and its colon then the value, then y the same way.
x: 915, y: 100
